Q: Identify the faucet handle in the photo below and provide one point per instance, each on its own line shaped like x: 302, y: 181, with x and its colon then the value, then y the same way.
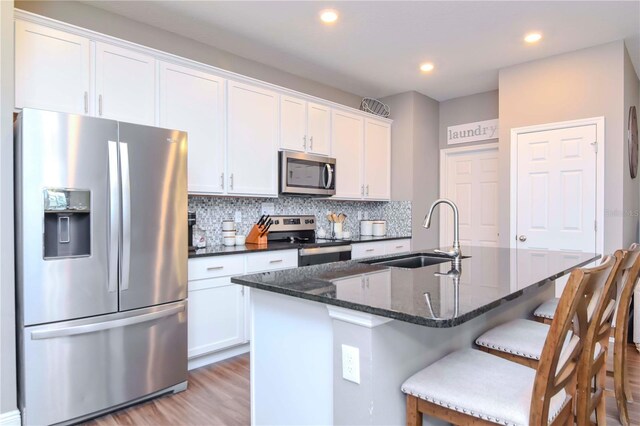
x: 452, y: 253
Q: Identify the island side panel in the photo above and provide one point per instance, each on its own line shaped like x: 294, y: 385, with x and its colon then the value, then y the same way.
x: 291, y: 361
x: 390, y: 353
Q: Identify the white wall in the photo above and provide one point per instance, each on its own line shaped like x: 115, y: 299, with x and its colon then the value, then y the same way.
x: 467, y: 109
x: 8, y: 391
x: 580, y: 84
x: 631, y: 194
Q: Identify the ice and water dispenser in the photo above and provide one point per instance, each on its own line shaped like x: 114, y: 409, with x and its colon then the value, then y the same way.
x: 67, y: 223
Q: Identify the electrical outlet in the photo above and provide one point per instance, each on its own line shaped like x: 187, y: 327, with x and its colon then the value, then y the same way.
x: 268, y: 208
x: 366, y: 215
x: 351, y: 363
x: 359, y: 214
x: 238, y: 216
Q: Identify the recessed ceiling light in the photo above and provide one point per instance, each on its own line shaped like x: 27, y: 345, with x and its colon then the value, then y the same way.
x: 328, y: 16
x: 532, y: 37
x: 426, y: 67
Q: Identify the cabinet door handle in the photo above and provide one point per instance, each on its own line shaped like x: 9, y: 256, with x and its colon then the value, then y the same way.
x: 276, y: 261
x: 362, y: 190
x: 311, y: 143
x: 367, y: 192
x: 222, y: 180
x: 214, y: 268
x: 86, y: 102
x: 368, y: 250
x: 231, y: 180
x: 399, y: 246
x: 100, y: 105
x: 304, y: 142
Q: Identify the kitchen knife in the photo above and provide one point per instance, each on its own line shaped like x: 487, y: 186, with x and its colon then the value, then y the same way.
x: 261, y: 220
x: 266, y: 227
x: 265, y: 221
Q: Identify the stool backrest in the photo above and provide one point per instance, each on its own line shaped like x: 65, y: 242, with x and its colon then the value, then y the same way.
x: 596, y: 344
x: 558, y: 364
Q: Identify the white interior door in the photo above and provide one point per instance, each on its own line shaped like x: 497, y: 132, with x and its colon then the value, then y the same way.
x: 471, y: 181
x: 556, y: 193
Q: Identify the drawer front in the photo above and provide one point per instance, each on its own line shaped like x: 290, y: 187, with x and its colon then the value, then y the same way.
x: 216, y: 266
x: 398, y: 246
x: 361, y: 250
x: 272, y: 261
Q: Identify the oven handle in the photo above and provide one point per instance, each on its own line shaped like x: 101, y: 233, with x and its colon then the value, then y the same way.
x: 323, y: 250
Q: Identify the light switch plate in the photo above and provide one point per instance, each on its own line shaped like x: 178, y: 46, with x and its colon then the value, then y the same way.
x: 351, y: 363
x: 366, y: 215
x: 359, y: 215
x: 238, y: 216
x: 268, y: 208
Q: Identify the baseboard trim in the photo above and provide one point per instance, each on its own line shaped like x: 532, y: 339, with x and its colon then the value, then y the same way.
x: 10, y: 418
x: 214, y: 357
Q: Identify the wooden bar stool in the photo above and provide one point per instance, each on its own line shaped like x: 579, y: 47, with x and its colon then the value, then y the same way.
x: 522, y: 341
x: 474, y: 387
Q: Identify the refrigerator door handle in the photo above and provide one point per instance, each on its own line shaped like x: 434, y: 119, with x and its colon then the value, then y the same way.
x: 105, y: 325
x: 114, y: 215
x: 126, y: 216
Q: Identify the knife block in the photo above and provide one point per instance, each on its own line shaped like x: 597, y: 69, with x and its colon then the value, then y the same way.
x: 254, y: 236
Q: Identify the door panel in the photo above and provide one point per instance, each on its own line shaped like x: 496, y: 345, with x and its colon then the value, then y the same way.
x: 193, y: 101
x: 154, y: 221
x: 125, y: 85
x: 472, y: 183
x: 293, y: 124
x: 319, y: 123
x: 62, y: 151
x: 83, y: 366
x: 52, y: 69
x: 346, y: 147
x: 377, y: 154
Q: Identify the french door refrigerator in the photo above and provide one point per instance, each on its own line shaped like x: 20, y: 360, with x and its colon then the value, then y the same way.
x: 101, y: 264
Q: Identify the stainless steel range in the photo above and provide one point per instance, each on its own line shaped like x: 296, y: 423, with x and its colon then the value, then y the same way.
x: 300, y: 232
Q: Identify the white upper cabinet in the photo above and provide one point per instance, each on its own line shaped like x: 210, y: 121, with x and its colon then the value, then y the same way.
x: 304, y: 126
x: 52, y: 69
x: 347, y: 132
x: 193, y: 101
x: 125, y: 85
x: 377, y: 160
x: 252, y: 140
x: 293, y: 123
x: 319, y: 128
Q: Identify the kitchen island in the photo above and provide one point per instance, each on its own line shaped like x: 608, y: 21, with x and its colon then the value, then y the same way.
x: 398, y: 320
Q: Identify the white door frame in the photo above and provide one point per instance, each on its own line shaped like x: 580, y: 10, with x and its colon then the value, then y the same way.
x: 600, y: 140
x: 444, y: 154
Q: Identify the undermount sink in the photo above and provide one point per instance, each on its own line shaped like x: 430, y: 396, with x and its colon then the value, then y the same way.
x: 411, y: 261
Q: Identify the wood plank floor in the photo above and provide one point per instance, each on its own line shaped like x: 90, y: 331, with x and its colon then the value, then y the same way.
x: 219, y: 395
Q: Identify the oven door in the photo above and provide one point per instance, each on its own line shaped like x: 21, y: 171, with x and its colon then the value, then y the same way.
x: 320, y: 255
x: 304, y: 174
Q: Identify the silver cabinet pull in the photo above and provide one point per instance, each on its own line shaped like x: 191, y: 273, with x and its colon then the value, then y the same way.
x: 367, y: 191
x: 311, y: 143
x: 399, y: 246
x: 222, y: 180
x: 86, y: 102
x: 304, y: 142
x: 368, y: 250
x: 361, y: 189
x: 276, y: 261
x: 231, y: 181
x: 126, y: 216
x: 214, y: 268
x: 100, y: 105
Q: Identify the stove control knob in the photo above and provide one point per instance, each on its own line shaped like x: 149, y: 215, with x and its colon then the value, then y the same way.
x: 306, y: 221
x: 277, y: 222
x: 311, y: 221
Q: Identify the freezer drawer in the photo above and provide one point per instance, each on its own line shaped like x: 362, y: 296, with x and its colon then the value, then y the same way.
x: 83, y: 366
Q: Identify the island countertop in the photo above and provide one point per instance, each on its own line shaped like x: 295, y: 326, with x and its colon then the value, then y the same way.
x: 487, y: 278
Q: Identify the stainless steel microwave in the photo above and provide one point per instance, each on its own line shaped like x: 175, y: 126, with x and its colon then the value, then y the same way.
x: 307, y: 175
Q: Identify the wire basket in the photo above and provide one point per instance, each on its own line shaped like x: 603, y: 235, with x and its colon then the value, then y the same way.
x: 374, y: 106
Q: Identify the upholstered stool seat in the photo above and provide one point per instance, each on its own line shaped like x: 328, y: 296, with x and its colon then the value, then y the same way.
x: 520, y: 337
x: 481, y: 385
x: 547, y: 309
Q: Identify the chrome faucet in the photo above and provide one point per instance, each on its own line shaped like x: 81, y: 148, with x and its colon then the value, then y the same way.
x: 456, y: 253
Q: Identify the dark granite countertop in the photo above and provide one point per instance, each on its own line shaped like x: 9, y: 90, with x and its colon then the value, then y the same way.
x: 224, y: 250
x: 488, y: 278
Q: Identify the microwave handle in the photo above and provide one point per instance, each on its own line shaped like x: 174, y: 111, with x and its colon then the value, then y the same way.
x: 329, y: 173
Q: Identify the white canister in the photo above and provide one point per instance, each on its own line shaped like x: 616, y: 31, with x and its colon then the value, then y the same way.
x: 229, y: 241
x: 228, y: 225
x: 366, y: 227
x: 226, y: 234
x: 379, y: 228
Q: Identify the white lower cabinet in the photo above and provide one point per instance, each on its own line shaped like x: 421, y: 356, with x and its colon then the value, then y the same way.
x: 380, y: 248
x: 219, y: 311
x: 398, y: 246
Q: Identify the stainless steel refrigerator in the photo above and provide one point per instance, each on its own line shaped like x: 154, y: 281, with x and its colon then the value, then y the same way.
x: 101, y: 263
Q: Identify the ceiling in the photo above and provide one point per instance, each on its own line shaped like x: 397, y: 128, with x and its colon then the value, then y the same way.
x: 376, y: 47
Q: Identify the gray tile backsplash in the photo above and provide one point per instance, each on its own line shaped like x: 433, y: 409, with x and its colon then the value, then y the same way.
x: 211, y: 211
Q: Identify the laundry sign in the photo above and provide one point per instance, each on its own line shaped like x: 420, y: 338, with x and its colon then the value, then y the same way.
x: 472, y: 132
